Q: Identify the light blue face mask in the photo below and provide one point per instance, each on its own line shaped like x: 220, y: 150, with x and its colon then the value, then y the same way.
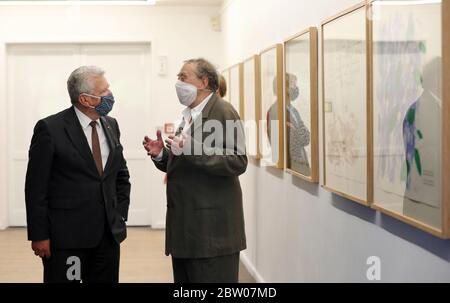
x: 105, y: 106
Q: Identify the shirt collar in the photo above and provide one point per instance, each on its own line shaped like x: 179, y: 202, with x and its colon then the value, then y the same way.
x: 84, y: 120
x: 196, y: 111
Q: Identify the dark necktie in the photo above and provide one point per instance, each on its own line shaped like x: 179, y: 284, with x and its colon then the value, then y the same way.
x: 96, y: 152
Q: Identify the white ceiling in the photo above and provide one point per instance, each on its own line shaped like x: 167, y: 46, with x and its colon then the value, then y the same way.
x: 190, y: 2
x: 158, y: 2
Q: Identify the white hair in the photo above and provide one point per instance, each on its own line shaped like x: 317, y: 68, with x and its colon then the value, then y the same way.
x: 80, y: 81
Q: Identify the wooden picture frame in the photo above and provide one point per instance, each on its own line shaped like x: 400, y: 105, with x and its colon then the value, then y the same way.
x: 350, y: 131
x: 446, y: 119
x: 272, y: 108
x: 235, y: 87
x: 411, y: 194
x: 302, y: 63
x: 251, y: 104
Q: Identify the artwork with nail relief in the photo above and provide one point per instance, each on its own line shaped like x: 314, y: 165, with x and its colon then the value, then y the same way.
x: 345, y: 104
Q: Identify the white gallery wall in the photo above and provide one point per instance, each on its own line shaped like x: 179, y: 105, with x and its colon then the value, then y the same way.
x: 296, y: 231
x: 178, y: 33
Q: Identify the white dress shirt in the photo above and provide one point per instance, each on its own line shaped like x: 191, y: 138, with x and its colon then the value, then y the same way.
x: 87, y: 129
x: 189, y: 116
x: 193, y: 113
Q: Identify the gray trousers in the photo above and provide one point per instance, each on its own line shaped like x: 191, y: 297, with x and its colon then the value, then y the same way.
x: 223, y: 269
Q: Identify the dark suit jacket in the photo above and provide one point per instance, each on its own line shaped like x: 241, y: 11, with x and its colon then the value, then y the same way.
x: 204, y: 200
x: 66, y: 199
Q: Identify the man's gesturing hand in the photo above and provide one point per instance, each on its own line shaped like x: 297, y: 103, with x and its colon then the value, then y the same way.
x: 153, y: 147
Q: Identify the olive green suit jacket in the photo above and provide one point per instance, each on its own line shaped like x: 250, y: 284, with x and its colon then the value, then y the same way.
x: 204, y: 199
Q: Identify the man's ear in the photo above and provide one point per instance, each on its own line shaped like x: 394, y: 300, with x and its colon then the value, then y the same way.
x: 82, y: 99
x: 205, y: 82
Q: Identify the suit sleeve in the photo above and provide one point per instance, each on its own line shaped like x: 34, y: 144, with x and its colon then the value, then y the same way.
x: 162, y: 164
x: 228, y: 156
x: 40, y: 158
x: 123, y: 185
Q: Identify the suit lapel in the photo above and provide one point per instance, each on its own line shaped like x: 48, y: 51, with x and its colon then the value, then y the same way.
x: 112, y: 142
x: 198, y: 122
x: 78, y: 138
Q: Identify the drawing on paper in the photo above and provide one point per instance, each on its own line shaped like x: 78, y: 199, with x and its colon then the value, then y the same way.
x: 344, y: 122
x: 345, y: 104
x: 408, y: 110
x: 398, y: 87
x: 298, y: 105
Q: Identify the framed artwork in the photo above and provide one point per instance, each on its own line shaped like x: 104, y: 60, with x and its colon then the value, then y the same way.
x: 226, y: 75
x: 169, y: 128
x: 446, y: 119
x: 234, y: 87
x: 272, y: 111
x: 345, y: 101
x: 251, y: 104
x: 411, y: 113
x: 301, y: 103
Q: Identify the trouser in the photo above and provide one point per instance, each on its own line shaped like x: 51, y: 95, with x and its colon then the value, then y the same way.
x: 92, y: 265
x: 223, y: 269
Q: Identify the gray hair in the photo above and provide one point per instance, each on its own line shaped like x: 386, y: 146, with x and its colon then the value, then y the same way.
x: 204, y: 69
x: 80, y: 81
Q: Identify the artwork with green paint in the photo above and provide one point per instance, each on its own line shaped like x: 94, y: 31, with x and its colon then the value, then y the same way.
x: 407, y: 109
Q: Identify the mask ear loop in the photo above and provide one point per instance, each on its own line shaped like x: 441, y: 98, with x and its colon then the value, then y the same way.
x: 91, y: 95
x: 90, y: 106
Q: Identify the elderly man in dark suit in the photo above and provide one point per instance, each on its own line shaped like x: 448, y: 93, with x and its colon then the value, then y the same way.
x: 77, y: 187
x: 205, y: 220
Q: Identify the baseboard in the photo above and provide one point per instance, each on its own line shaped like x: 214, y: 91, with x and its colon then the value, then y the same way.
x: 159, y: 225
x: 251, y: 268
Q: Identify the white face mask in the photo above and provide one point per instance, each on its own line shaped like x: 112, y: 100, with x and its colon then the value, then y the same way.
x: 187, y: 93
